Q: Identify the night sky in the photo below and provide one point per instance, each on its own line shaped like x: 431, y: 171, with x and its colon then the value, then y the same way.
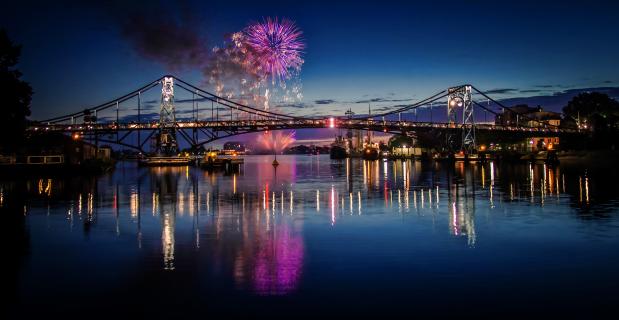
x: 382, y: 52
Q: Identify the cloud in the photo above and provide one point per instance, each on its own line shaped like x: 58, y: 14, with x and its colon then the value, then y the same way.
x: 531, y: 91
x: 325, y: 101
x: 501, y: 91
x: 557, y: 100
x: 299, y: 105
x: 375, y: 100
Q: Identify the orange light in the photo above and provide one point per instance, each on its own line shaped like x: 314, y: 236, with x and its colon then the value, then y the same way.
x: 76, y: 136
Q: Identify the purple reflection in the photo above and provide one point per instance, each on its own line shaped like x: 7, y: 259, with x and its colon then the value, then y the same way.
x: 278, y: 262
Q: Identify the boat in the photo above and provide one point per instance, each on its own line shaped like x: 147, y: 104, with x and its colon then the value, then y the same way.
x: 214, y: 161
x: 338, y: 149
x: 163, y: 161
x: 370, y: 153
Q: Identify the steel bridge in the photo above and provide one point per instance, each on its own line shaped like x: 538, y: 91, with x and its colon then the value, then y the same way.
x: 226, y: 118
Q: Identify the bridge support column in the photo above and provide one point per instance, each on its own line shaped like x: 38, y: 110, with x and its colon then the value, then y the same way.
x: 460, y: 97
x: 166, y: 140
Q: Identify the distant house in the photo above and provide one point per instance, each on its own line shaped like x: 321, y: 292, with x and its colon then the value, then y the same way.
x: 74, y: 150
x: 234, y: 147
x: 523, y: 115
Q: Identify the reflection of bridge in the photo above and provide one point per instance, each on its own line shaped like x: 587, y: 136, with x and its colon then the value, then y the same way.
x: 225, y: 118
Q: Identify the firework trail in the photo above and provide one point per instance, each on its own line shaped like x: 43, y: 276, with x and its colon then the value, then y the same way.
x: 276, y: 47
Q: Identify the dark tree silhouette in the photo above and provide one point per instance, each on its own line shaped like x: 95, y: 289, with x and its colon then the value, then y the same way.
x: 16, y: 96
x: 596, y: 111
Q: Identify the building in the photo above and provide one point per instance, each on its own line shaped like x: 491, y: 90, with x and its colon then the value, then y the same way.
x: 523, y: 115
x: 234, y: 147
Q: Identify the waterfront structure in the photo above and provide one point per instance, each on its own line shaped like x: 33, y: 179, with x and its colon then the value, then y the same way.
x: 196, y: 132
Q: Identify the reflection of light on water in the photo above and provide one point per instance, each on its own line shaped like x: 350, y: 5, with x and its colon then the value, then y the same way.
x: 491, y: 196
x: 587, y: 189
x: 90, y: 205
x: 278, y: 262
x: 317, y: 200
x: 563, y: 182
x: 181, y: 204
x: 377, y: 172
x: 332, y: 205
x: 531, y: 182
x: 79, y: 205
x: 415, y: 199
x: 45, y: 187
x: 350, y: 197
x: 133, y: 203
x: 385, y: 169
x: 191, y: 203
x: 155, y: 204
x: 430, y: 196
x: 579, y: 189
x: 365, y: 176
x: 208, y: 202
x: 437, y: 199
x: 406, y: 200
x: 405, y: 175
x: 422, y: 198
x: 347, y: 171
x: 359, y: 201
x: 167, y: 241
x: 234, y: 184
x: 454, y: 218
x: 291, y: 202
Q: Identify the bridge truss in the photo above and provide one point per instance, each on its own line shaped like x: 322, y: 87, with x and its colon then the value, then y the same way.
x: 229, y: 118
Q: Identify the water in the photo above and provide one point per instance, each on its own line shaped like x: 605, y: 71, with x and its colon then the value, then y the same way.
x: 315, y: 237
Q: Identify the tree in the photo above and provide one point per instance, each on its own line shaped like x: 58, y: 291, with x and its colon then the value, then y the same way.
x: 598, y: 112
x: 594, y: 109
x: 398, y: 141
x: 16, y: 95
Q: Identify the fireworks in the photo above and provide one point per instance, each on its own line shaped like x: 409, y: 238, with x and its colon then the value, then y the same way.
x: 241, y: 68
x: 276, y: 47
x: 277, y: 141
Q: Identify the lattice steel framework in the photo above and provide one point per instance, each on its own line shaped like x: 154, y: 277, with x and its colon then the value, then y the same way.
x: 460, y: 97
x: 166, y: 140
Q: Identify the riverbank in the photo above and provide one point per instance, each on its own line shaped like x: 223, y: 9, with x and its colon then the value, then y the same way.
x: 594, y: 157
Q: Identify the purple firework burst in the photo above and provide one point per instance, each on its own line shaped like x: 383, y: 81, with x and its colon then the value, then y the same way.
x: 276, y: 46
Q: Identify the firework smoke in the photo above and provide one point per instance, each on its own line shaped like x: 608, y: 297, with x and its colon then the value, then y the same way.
x: 168, y: 33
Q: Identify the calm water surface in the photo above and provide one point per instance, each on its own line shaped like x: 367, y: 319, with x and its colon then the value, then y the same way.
x: 314, y: 237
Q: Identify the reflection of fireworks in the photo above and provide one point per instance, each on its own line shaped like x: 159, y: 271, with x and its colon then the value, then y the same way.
x: 277, y: 141
x: 277, y: 47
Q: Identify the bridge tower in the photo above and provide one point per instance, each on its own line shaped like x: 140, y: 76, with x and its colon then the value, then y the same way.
x: 166, y: 140
x: 460, y: 97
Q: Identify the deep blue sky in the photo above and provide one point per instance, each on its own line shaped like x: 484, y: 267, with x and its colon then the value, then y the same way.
x: 75, y: 56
